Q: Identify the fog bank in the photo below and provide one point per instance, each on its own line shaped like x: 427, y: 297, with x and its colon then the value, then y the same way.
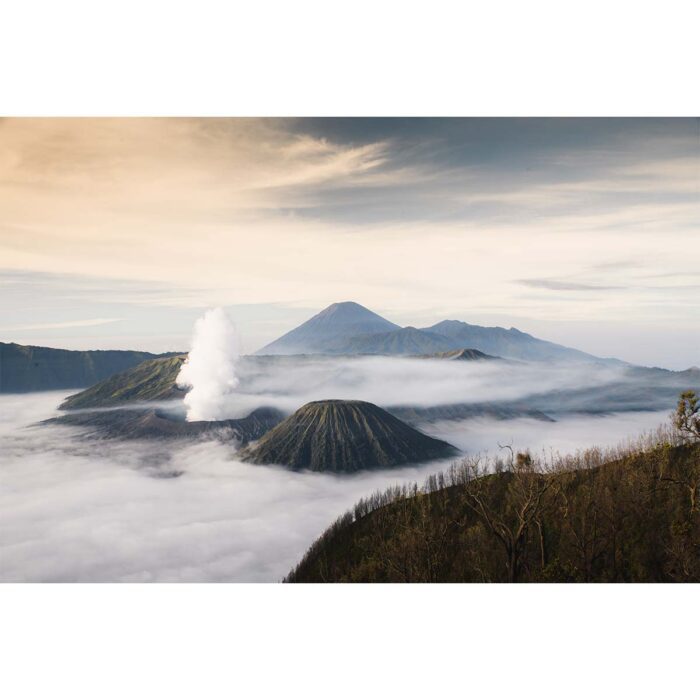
x: 289, y: 382
x: 73, y: 510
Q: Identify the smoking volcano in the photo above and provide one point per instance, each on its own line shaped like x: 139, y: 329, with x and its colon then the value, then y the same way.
x: 210, y: 368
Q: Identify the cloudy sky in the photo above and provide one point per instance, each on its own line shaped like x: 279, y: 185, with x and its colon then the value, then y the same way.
x: 119, y: 232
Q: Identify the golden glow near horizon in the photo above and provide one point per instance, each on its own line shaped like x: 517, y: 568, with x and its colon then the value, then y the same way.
x: 576, y: 228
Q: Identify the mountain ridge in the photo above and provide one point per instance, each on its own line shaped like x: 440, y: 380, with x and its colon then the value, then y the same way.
x: 509, y: 342
x: 27, y: 368
x: 347, y: 328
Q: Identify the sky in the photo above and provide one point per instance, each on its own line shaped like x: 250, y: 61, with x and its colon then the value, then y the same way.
x: 119, y: 233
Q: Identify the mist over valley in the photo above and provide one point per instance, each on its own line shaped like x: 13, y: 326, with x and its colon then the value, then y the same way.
x: 131, y: 481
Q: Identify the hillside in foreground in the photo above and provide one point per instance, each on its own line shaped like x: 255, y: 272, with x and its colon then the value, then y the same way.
x: 629, y: 516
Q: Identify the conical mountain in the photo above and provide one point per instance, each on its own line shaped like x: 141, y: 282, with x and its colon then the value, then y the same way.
x: 328, y: 330
x: 344, y: 436
x: 462, y: 354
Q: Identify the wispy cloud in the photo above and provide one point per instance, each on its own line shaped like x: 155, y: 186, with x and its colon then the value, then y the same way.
x: 564, y: 286
x: 82, y: 323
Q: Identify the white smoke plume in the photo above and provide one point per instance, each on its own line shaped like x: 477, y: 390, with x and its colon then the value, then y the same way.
x: 210, y: 368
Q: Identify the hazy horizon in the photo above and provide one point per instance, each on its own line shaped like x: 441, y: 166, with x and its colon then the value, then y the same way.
x: 119, y: 233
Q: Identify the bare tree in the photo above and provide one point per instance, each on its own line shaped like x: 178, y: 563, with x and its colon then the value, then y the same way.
x: 520, y: 509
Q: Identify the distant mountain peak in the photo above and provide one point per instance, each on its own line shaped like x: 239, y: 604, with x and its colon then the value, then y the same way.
x: 347, y: 327
x: 328, y: 328
x: 348, y: 311
x: 344, y: 305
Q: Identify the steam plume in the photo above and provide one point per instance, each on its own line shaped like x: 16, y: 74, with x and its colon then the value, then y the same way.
x: 209, y: 370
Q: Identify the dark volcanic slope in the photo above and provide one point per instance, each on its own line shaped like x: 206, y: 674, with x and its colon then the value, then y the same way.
x: 153, y: 380
x: 402, y: 341
x: 150, y: 424
x: 344, y: 436
x: 30, y: 368
x: 462, y: 354
x: 463, y: 411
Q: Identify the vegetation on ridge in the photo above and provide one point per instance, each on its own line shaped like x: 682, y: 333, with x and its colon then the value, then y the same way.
x: 625, y: 515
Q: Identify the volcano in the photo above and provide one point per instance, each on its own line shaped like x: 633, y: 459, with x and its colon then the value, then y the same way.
x: 329, y: 329
x: 152, y: 380
x: 344, y: 436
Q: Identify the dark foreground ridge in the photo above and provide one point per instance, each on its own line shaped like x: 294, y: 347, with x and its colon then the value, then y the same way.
x: 344, y: 436
x: 150, y: 424
x: 625, y: 517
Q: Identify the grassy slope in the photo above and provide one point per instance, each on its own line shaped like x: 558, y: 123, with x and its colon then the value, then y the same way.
x: 626, y: 520
x: 152, y: 380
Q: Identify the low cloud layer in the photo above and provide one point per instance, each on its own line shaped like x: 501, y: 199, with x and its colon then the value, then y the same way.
x: 288, y: 383
x: 72, y: 512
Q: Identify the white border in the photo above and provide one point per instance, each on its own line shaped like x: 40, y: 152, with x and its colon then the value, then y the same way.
x: 368, y: 57
x: 540, y: 58
x: 325, y: 641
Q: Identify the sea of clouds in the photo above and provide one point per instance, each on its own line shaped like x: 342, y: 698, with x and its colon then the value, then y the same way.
x: 78, y: 510
x: 288, y: 383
